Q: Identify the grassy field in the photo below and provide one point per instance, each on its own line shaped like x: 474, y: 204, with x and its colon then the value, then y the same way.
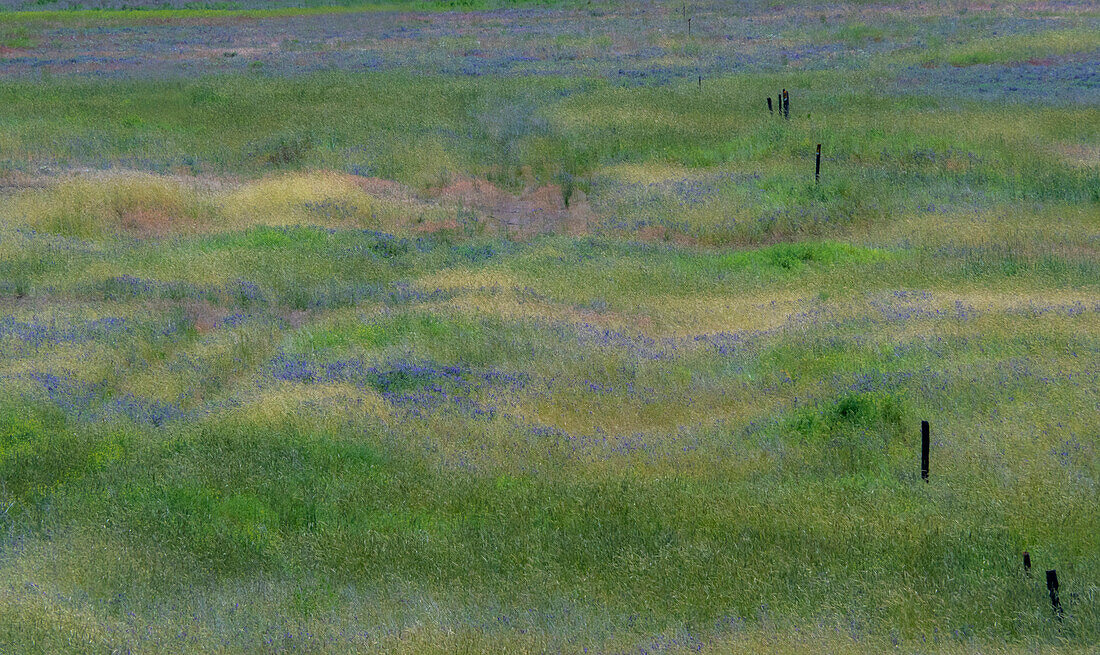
x: 530, y: 330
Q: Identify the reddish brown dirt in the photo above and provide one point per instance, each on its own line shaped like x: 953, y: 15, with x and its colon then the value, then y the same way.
x: 16, y: 181
x: 536, y: 211
x: 1079, y: 154
x: 381, y: 188
x: 149, y: 222
x: 204, y: 316
x: 472, y: 193
x: 296, y: 318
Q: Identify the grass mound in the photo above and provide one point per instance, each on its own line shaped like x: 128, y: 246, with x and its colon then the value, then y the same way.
x: 147, y: 205
x: 134, y: 202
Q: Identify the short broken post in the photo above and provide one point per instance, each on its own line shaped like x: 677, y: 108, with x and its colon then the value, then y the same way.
x: 924, y: 444
x: 1052, y: 587
x: 1027, y: 564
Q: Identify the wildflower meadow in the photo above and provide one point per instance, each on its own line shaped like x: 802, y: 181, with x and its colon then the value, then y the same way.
x: 564, y: 326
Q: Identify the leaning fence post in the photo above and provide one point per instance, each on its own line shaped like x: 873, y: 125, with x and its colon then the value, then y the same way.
x: 924, y: 444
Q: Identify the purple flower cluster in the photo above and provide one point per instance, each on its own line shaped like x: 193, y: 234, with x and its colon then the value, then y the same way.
x: 733, y: 343
x: 129, y: 287
x: 401, y: 293
x: 637, y: 346
x: 418, y: 387
x: 505, y: 42
x: 678, y: 642
x: 1067, y: 81
x: 332, y: 209
x: 1069, y: 309
x: 599, y: 445
x: 92, y: 401
x: 144, y: 410
x: 334, y: 293
x: 36, y: 333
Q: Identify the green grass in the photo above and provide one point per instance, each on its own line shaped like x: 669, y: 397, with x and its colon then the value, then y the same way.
x: 1018, y: 48
x: 256, y: 401
x: 223, y: 10
x: 911, y: 153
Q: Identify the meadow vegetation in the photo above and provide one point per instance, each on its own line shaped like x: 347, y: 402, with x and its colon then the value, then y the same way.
x: 412, y: 360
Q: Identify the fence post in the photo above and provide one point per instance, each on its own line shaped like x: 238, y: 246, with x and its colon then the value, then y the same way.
x: 924, y: 444
x: 770, y: 104
x: 817, y: 166
x: 1052, y: 587
x: 1027, y: 563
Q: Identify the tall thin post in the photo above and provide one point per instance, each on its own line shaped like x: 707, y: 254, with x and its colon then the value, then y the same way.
x: 770, y: 105
x: 817, y: 166
x: 1052, y: 587
x: 786, y: 104
x: 924, y: 444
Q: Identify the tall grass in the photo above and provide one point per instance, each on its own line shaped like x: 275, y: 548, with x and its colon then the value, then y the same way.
x: 909, y: 153
x: 257, y: 401
x: 151, y: 205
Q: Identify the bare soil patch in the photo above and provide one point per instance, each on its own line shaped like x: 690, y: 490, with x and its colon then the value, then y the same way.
x: 537, y: 210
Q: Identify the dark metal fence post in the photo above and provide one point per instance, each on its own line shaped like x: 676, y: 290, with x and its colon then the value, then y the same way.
x: 817, y: 166
x: 924, y: 443
x: 770, y: 104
